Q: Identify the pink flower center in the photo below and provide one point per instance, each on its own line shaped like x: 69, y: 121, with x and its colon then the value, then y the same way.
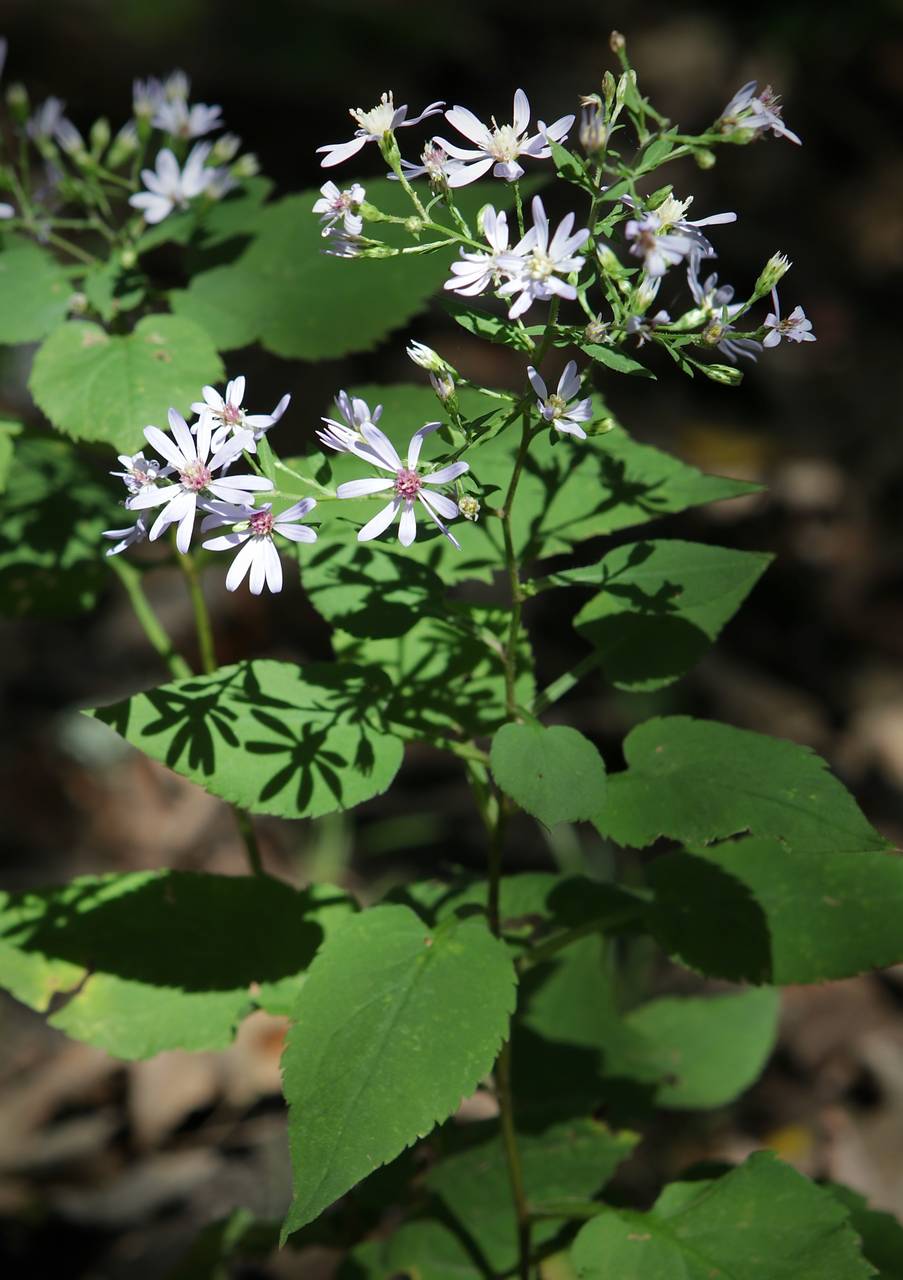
x: 407, y: 483
x: 195, y: 476
x: 232, y: 415
x: 261, y: 523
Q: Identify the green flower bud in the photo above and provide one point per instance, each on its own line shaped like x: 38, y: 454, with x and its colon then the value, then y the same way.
x: 246, y: 166
x: 616, y: 42
x: 724, y: 373
x: 704, y: 158
x: 99, y: 137
x: 78, y: 304
x: 128, y: 258
x: 18, y: 102
x: 226, y: 148
x: 774, y: 270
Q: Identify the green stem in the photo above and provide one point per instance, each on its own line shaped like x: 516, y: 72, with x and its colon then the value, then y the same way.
x: 209, y: 666
x: 568, y: 1209
x: 130, y: 577
x: 519, y: 207
x: 68, y: 247
x: 201, y: 614
x: 511, y: 568
x: 564, y: 684
x: 613, y: 922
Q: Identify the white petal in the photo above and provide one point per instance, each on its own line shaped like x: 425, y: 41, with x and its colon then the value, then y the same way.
x: 445, y: 474
x: 273, y: 566
x: 226, y: 541
x: 442, y: 504
x: 417, y: 443
x: 467, y: 123
x: 153, y: 497
x: 382, y: 446
x: 468, y: 173
x: 436, y: 519
x: 183, y: 437
x: 297, y: 510
x: 166, y: 447
x: 380, y: 522
x: 186, y: 526
x: 521, y: 111
x: 240, y: 566
x: 407, y: 525
x: 569, y: 383
x: 337, y: 152
x: 296, y: 532
x: 360, y: 488
x: 537, y: 382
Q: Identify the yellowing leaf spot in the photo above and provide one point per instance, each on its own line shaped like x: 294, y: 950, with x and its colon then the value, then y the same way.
x: 639, y: 1238
x: 94, y: 338
x: 163, y: 356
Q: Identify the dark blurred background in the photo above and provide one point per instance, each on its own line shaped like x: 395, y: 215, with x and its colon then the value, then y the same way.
x: 119, y: 1167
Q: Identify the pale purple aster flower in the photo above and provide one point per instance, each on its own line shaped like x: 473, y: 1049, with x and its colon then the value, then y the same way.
x: 718, y: 334
x: 127, y: 537
x: 45, y: 120
x: 755, y: 112
x: 435, y: 164
x: 169, y: 187
x: 227, y: 415
x: 146, y: 97
x: 662, y: 237
x: 345, y: 437
x: 642, y: 326
x: 139, y: 472
x: 6, y: 210
x: 499, y: 147
x: 177, y: 86
x: 189, y: 456
x: 69, y: 137
x: 335, y: 205
x: 536, y: 264
x: 562, y: 408
x: 708, y: 295
x: 796, y: 328
x: 342, y: 245
x: 407, y: 483
x: 384, y: 118
x: 253, y: 532
x: 476, y: 272
x: 176, y: 118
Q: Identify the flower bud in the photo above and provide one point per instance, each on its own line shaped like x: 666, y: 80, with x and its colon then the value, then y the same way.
x: 128, y: 258
x: 609, y: 89
x: 774, y: 270
x: 616, y: 42
x: 596, y: 331
x: 724, y: 373
x: 593, y: 130
x: 226, y: 148
x: 99, y: 137
x: 426, y: 357
x: 413, y: 225
x: 125, y: 144
x: 71, y: 140
x: 246, y: 166
x: 17, y: 101
x: 705, y: 158
x: 469, y: 508
x: 444, y: 385
x: 78, y: 304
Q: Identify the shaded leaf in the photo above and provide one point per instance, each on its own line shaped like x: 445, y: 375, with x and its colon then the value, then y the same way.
x: 96, y: 386
x: 158, y: 960
x: 270, y: 736
x: 881, y: 1234
x: 661, y: 606
x: 51, y: 551
x: 393, y: 1026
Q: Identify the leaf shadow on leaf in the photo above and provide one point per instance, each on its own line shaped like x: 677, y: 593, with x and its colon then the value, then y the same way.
x: 371, y: 607
x: 618, y: 490
x: 178, y: 929
x: 710, y: 919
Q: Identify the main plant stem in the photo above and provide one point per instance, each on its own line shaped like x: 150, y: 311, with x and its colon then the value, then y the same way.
x: 209, y: 665
x: 512, y: 570
x: 130, y: 577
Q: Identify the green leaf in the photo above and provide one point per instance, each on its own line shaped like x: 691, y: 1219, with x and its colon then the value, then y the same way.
x: 8, y: 432
x: 301, y: 302
x: 369, y: 591
x: 571, y: 167
x: 698, y: 781
x: 425, y: 1249
x: 35, y: 291
x: 270, y: 736
x: 711, y: 1048
x: 156, y: 960
x: 553, y: 773
x: 613, y: 359
x: 112, y: 290
x: 393, y: 1026
x: 757, y: 911
x: 661, y: 606
x: 97, y: 386
x: 761, y: 1220
x: 568, y: 1162
x: 489, y: 327
x: 51, y: 551
x: 447, y: 673
x: 881, y: 1234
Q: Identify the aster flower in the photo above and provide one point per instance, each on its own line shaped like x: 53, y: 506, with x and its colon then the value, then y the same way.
x: 663, y: 237
x: 756, y: 113
x: 342, y: 245
x: 335, y: 205
x: 175, y: 117
x: 253, y: 532
x: 499, y: 147
x: 384, y: 118
x: 189, y: 457
x: 476, y: 272
x: 139, y: 472
x: 535, y: 264
x: 709, y: 296
x: 345, y: 437
x: 796, y: 328
x: 147, y: 96
x: 45, y: 121
x: 408, y: 484
x: 227, y: 415
x: 563, y: 410
x: 127, y: 537
x: 170, y: 187
x: 435, y: 164
x: 642, y: 326
x: 69, y: 137
x: 718, y: 333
